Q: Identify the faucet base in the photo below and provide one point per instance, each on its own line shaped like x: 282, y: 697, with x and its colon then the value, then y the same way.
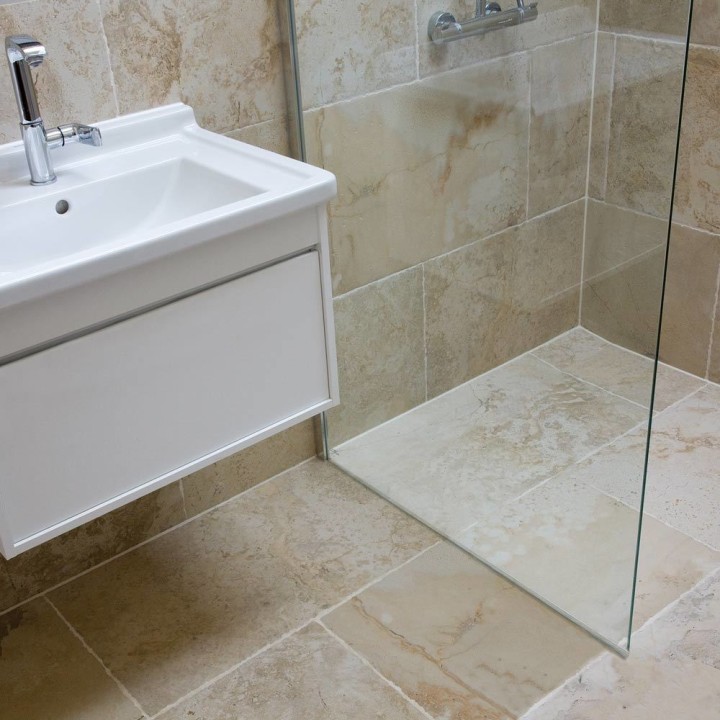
x: 38, y: 154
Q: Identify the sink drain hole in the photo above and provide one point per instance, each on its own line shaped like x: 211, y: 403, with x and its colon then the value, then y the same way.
x: 62, y: 206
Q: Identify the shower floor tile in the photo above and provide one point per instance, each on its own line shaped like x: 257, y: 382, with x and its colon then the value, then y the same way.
x: 486, y: 442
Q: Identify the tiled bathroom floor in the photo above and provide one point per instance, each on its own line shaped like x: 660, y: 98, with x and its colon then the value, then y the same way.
x: 536, y: 467
x: 310, y: 598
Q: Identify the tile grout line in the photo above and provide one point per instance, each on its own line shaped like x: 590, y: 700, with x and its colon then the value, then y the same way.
x: 113, y: 83
x: 425, y: 332
x: 181, y: 483
x: 375, y: 671
x: 87, y: 647
x: 608, y: 125
x: 713, y: 326
x: 531, y: 61
x: 589, y: 158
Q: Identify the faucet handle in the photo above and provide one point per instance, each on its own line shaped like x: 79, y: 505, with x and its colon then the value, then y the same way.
x: 74, y: 132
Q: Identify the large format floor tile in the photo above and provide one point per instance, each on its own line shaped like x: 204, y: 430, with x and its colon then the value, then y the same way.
x: 625, y: 373
x: 672, y: 673
x: 45, y: 672
x: 575, y: 546
x: 175, y: 613
x: 460, y: 640
x: 309, y: 676
x: 486, y: 441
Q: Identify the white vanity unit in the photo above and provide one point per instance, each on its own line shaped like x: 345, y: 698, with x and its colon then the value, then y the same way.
x: 163, y: 305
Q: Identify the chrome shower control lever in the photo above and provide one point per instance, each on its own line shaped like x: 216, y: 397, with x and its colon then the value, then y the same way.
x: 443, y: 26
x: 24, y: 52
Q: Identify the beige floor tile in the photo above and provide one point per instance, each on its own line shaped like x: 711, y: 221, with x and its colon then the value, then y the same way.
x: 309, y: 676
x: 624, y: 373
x: 46, y: 673
x: 575, y: 546
x: 176, y: 612
x: 486, y: 442
x: 673, y: 672
x: 460, y: 640
x: 683, y: 472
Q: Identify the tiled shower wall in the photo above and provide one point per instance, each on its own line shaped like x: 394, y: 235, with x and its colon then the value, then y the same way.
x: 457, y: 234
x: 637, y: 98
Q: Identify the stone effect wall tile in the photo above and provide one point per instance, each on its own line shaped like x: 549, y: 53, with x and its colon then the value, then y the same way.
x: 558, y: 20
x: 223, y: 60
x: 560, y: 123
x: 694, y: 263
x: 502, y: 296
x: 74, y: 82
x: 714, y: 369
x: 82, y: 548
x: 227, y: 478
x: 644, y: 123
x: 381, y: 354
x: 351, y: 48
x: 423, y: 168
x: 697, y: 197
x: 705, y: 27
x: 271, y: 135
x: 668, y: 18
x: 602, y: 103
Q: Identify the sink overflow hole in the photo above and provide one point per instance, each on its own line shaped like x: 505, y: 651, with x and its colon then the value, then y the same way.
x: 62, y: 206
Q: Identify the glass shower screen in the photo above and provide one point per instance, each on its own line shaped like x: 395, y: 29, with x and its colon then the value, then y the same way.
x: 498, y: 246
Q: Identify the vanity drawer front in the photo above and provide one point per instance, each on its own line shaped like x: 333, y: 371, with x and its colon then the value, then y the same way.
x: 121, y: 407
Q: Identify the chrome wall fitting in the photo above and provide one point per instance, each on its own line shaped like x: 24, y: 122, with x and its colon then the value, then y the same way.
x: 443, y: 26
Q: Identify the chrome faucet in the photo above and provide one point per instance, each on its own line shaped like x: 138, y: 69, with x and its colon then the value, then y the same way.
x: 23, y: 53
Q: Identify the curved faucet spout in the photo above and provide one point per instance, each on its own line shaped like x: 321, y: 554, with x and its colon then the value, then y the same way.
x: 24, y: 52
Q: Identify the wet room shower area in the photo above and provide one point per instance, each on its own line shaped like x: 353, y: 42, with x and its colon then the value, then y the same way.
x: 499, y: 240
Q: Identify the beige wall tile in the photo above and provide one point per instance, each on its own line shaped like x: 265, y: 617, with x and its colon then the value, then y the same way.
x: 693, y: 266
x: 502, y: 296
x: 602, y: 103
x: 271, y: 135
x: 74, y: 83
x: 229, y: 477
x: 381, y: 353
x: 560, y: 123
x: 697, y: 197
x: 714, y: 369
x: 644, y: 122
x: 64, y: 557
x: 614, y: 236
x: 222, y: 58
x: 557, y: 20
x: 177, y: 612
x: 623, y: 304
x: 310, y: 675
x: 423, y: 168
x: 460, y: 640
x: 705, y: 22
x: 46, y: 673
x: 668, y: 18
x: 350, y: 48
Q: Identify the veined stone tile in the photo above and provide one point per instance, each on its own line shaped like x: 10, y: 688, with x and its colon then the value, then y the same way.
x: 623, y: 304
x: 615, y: 236
x: 690, y: 290
x: 683, y: 472
x: 221, y: 58
x: 308, y: 676
x: 270, y: 135
x: 697, y: 198
x: 45, y: 672
x: 500, y: 297
x: 560, y: 123
x: 600, y: 136
x: 423, y: 168
x: 486, y: 442
x: 672, y: 672
x: 381, y: 354
x: 620, y: 371
x: 644, y: 124
x: 349, y: 48
x: 705, y: 22
x: 176, y: 612
x: 74, y: 82
x: 225, y: 479
x: 80, y: 549
x: 575, y: 547
x: 460, y: 640
x: 557, y: 20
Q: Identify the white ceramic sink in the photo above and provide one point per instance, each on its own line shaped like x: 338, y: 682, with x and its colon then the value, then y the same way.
x: 158, y: 185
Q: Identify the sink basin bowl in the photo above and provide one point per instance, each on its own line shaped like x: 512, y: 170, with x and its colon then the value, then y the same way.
x: 159, y: 185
